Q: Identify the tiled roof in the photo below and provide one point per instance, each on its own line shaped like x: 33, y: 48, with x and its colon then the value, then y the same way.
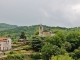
x: 46, y: 31
x: 2, y: 39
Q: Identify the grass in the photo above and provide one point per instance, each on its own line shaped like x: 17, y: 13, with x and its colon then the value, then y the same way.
x: 18, y: 49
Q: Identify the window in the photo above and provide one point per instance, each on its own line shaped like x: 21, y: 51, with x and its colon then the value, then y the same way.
x: 0, y: 44
x: 3, y: 48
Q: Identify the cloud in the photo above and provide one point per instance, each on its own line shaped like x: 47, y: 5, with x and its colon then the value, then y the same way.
x: 63, y: 13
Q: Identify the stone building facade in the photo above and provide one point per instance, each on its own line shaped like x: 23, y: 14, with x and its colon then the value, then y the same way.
x: 45, y: 33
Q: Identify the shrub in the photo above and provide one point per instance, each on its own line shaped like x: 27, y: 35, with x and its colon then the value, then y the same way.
x: 35, y: 56
x: 27, y: 48
x: 14, y: 42
x: 11, y: 52
x: 16, y: 56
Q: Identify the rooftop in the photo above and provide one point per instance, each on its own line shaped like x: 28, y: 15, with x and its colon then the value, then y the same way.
x: 2, y: 39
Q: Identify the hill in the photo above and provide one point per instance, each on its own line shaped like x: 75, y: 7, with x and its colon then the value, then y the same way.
x: 28, y: 30
x: 14, y: 31
x: 4, y: 26
x: 65, y: 43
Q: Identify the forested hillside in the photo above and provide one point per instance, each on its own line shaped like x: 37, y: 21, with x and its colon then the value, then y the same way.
x: 4, y: 26
x: 64, y: 44
x: 14, y: 31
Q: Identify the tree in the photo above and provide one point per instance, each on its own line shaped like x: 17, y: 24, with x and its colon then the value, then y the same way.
x: 67, y: 46
x: 22, y: 36
x: 47, y: 51
x: 49, y: 39
x: 59, y: 39
x: 36, y: 43
x: 36, y: 32
x: 56, y: 50
x: 76, y: 55
x: 74, y: 39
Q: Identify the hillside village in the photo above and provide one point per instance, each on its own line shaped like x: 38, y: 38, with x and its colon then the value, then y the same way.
x: 45, y: 44
x: 22, y: 37
x: 6, y: 42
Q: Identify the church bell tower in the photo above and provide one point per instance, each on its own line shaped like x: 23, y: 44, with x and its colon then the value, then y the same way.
x: 40, y: 30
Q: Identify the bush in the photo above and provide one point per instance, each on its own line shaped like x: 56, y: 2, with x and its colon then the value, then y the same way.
x: 62, y: 57
x: 14, y: 42
x: 4, y: 53
x: 16, y: 56
x: 11, y: 52
x: 35, y: 56
x: 27, y: 48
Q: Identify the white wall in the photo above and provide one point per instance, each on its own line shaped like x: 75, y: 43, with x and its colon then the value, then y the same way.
x: 6, y: 44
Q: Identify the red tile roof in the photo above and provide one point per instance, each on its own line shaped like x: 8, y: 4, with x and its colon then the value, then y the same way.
x: 2, y: 39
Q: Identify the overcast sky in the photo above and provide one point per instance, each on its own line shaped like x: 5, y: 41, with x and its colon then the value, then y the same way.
x: 64, y: 13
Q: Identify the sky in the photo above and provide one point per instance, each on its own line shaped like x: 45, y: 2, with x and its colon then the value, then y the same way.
x: 63, y: 13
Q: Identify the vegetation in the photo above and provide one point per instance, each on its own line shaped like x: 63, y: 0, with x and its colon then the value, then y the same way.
x: 4, y: 26
x: 65, y: 44
x: 36, y: 43
x: 62, y: 57
x: 35, y: 56
x: 17, y: 57
x: 22, y: 36
x: 47, y: 51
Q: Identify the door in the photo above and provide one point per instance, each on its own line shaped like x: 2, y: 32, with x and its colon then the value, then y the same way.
x: 7, y: 48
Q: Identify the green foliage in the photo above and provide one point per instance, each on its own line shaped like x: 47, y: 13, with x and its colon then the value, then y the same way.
x: 29, y: 31
x: 15, y: 57
x: 27, y: 48
x: 59, y: 39
x: 4, y: 53
x: 49, y: 39
x: 35, y: 56
x: 22, y: 36
x: 14, y: 42
x: 4, y: 26
x: 47, y: 51
x: 56, y: 50
x: 61, y: 57
x: 11, y: 52
x: 36, y: 43
x: 64, y: 40
x: 76, y: 54
x: 36, y: 32
x: 67, y: 46
x: 62, y: 51
x: 74, y: 39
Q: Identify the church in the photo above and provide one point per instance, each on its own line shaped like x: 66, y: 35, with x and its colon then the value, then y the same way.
x: 44, y: 33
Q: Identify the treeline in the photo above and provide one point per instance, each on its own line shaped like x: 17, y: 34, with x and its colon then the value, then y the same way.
x: 4, y: 26
x: 14, y: 33
x: 61, y: 46
x: 64, y: 45
x: 28, y: 30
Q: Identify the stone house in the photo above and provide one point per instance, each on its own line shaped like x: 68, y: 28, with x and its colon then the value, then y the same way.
x: 5, y: 44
